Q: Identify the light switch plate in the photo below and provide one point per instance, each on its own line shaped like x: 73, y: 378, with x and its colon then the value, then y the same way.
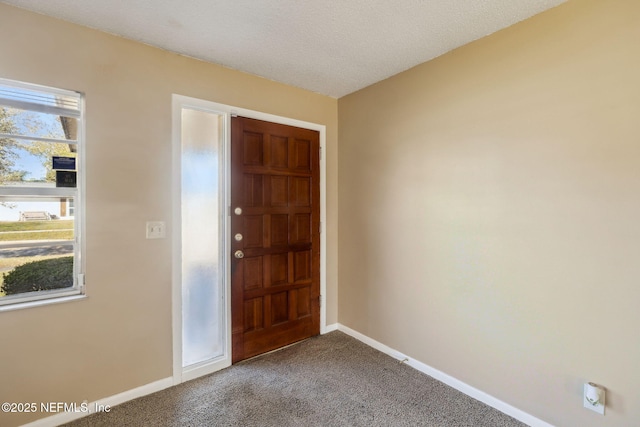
x: 156, y: 230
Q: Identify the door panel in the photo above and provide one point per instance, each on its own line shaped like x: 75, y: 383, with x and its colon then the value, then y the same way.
x: 276, y: 284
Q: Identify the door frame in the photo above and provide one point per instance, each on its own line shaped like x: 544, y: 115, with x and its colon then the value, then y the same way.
x: 179, y: 102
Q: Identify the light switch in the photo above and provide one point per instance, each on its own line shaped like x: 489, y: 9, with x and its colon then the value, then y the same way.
x: 156, y: 230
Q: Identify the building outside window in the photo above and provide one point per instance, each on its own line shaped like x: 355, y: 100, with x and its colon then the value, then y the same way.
x: 41, y: 171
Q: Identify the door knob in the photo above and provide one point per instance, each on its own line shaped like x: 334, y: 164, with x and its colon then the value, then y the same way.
x: 237, y: 211
x: 238, y: 254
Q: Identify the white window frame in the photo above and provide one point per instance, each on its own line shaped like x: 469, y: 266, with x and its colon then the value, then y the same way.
x: 71, y: 207
x: 77, y: 291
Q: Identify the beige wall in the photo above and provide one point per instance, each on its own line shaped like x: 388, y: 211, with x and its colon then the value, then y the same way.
x: 490, y: 212
x: 120, y: 337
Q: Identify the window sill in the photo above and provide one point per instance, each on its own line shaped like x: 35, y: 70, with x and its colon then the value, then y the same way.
x: 38, y: 303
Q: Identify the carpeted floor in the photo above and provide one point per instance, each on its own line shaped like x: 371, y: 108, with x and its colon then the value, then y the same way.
x: 331, y: 380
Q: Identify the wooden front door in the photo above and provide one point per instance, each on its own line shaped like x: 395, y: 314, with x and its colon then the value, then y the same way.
x: 275, y: 236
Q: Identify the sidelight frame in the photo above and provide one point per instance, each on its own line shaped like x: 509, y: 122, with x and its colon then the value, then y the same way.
x: 181, y: 374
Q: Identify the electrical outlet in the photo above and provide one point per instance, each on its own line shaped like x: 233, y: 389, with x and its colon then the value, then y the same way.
x: 594, y: 397
x: 156, y: 230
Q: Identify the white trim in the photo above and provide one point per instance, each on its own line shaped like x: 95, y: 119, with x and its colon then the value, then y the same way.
x: 179, y: 102
x: 42, y: 193
x: 323, y: 230
x: 39, y: 138
x: 330, y: 328
x: 40, y: 88
x: 28, y: 103
x: 180, y: 373
x: 465, y: 388
x: 111, y: 401
x: 192, y: 372
x: 176, y: 233
x: 156, y: 386
x: 41, y: 108
x: 65, y: 297
x: 372, y: 343
x: 34, y: 191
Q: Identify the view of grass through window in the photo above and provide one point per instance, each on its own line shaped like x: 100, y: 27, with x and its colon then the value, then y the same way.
x: 26, y: 268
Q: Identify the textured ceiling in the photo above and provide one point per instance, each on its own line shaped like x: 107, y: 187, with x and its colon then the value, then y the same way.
x: 333, y: 47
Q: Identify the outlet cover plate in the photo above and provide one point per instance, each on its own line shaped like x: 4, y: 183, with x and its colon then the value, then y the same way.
x: 599, y: 408
x: 156, y: 230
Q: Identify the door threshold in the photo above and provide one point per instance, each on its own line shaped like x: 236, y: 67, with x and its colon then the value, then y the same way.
x: 274, y: 350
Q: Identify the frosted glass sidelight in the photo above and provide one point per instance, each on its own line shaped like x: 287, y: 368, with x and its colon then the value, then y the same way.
x: 203, y: 333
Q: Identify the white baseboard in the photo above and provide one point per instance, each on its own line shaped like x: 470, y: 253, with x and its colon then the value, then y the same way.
x: 107, y: 402
x: 329, y: 328
x: 465, y: 388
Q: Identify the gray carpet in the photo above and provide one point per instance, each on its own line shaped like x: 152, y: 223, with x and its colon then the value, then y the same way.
x: 331, y: 380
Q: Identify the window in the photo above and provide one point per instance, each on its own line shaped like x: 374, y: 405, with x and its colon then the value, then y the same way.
x: 40, y: 191
x: 70, y: 208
